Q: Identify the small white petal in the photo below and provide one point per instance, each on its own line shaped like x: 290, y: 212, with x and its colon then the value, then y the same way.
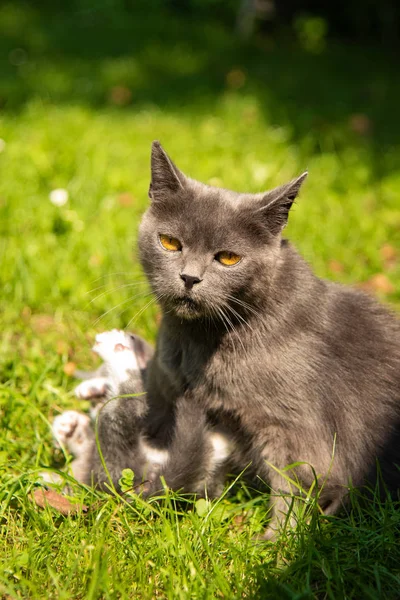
x: 59, y: 197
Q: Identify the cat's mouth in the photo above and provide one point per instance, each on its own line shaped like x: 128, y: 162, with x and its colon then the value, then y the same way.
x: 187, y: 307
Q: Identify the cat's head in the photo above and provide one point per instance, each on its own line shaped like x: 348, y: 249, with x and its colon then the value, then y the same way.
x: 205, y: 250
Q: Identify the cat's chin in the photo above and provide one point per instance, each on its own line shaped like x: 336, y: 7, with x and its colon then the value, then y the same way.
x: 187, y: 308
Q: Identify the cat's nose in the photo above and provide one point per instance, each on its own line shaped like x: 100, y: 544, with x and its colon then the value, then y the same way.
x: 190, y: 280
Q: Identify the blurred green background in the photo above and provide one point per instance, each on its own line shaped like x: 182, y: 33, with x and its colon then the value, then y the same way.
x: 242, y: 94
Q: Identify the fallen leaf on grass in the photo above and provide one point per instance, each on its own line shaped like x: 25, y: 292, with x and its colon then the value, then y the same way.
x: 239, y: 522
x: 335, y: 266
x: 43, y: 497
x: 69, y: 368
x: 126, y: 199
x: 26, y: 313
x: 235, y: 79
x: 378, y: 283
x: 389, y: 255
x: 360, y: 124
x: 62, y: 347
x: 120, y: 95
x: 42, y: 323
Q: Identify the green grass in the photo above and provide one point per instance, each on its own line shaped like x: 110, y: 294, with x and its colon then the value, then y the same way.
x: 244, y: 116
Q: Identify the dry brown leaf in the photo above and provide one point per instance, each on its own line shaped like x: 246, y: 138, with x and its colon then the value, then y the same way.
x: 335, y: 266
x: 120, y: 95
x: 61, y: 347
x: 26, y: 313
x: 378, y: 283
x: 42, y: 323
x: 360, y: 124
x: 236, y: 79
x: 389, y: 255
x: 126, y: 199
x: 44, y: 497
x: 69, y: 368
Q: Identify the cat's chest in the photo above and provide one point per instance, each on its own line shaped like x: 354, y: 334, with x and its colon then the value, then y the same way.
x: 216, y: 375
x: 250, y: 380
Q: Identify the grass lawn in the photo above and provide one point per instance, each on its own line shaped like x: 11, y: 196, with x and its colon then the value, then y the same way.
x: 82, y: 95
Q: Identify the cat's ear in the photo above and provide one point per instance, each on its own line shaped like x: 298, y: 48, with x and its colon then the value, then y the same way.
x: 165, y: 176
x: 275, y: 205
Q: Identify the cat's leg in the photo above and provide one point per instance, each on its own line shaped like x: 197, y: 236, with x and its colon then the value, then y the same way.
x: 73, y: 431
x: 282, y: 508
x: 284, y: 484
x: 217, y: 466
x: 96, y: 387
x: 290, y: 488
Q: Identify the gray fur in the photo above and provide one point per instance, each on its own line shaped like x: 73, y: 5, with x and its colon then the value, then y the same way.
x: 284, y: 366
x: 298, y: 364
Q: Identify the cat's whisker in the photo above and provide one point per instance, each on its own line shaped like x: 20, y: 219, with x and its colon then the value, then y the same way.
x: 245, y: 323
x: 244, y: 305
x: 151, y: 302
x: 118, y: 315
x: 120, y: 304
x: 116, y: 289
x: 250, y: 309
x: 238, y: 316
x: 230, y: 332
x: 99, y: 287
x: 232, y: 328
x: 115, y: 273
x: 229, y: 325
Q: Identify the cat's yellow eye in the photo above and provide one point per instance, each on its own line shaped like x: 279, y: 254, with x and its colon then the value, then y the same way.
x: 170, y: 243
x: 228, y: 258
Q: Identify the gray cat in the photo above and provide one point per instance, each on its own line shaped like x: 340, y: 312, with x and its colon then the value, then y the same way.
x: 258, y: 362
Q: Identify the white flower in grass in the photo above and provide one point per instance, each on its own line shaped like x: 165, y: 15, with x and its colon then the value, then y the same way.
x: 59, y: 197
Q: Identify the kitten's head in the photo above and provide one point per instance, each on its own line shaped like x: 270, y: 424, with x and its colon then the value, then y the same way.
x: 205, y: 250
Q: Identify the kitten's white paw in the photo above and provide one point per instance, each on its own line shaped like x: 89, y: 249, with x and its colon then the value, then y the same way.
x: 72, y: 430
x: 92, y: 388
x: 117, y: 350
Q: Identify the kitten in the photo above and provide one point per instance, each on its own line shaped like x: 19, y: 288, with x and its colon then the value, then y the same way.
x: 125, y: 359
x: 115, y: 390
x: 254, y: 349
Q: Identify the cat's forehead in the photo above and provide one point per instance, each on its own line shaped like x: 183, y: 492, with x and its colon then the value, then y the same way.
x: 207, y: 216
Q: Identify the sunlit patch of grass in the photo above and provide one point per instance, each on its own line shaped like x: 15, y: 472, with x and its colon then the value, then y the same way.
x: 79, y: 114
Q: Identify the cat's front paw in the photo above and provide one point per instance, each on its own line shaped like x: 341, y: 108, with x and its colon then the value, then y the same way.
x: 72, y: 430
x: 96, y: 387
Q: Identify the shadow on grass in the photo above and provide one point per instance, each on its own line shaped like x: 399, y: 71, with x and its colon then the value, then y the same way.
x: 346, y: 96
x: 352, y: 555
